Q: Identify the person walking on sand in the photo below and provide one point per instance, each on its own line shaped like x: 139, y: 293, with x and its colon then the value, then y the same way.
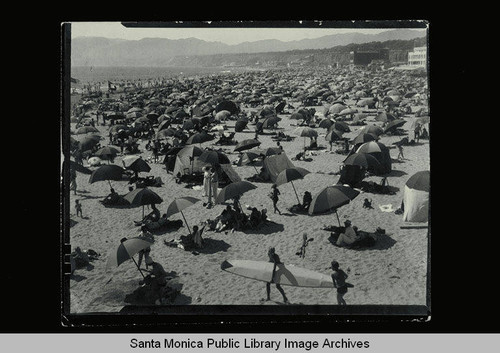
x: 206, y: 181
x: 275, y: 197
x: 274, y: 258
x: 78, y: 208
x: 72, y: 184
x: 400, y: 154
x: 214, y: 182
x: 338, y: 278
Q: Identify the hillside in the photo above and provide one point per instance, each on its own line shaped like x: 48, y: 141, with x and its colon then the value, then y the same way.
x: 96, y: 51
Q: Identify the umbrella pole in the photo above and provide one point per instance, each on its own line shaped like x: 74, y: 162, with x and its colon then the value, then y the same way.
x: 187, y: 225
x: 298, y: 200
x: 338, y: 219
x: 135, y: 262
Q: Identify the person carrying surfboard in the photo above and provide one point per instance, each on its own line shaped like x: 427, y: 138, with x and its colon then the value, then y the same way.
x: 273, y: 257
x: 339, y: 277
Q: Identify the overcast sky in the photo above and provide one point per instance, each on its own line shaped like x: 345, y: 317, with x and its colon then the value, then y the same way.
x: 225, y: 35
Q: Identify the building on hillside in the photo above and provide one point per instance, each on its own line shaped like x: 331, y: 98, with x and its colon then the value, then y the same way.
x: 418, y: 57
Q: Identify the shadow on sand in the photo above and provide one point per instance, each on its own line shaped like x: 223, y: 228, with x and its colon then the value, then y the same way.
x: 212, y: 246
x: 268, y: 228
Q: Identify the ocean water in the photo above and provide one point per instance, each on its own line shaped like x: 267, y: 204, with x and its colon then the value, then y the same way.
x: 86, y: 74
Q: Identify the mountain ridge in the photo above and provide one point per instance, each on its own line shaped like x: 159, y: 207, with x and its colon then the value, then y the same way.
x: 100, y: 51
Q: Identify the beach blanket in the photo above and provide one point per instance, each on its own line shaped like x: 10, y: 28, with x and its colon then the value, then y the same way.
x: 386, y: 208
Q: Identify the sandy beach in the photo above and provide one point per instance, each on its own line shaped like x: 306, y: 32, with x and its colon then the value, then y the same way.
x: 393, y: 272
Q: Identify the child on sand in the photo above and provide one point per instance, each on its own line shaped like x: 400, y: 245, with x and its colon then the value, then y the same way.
x: 78, y: 208
x: 338, y: 278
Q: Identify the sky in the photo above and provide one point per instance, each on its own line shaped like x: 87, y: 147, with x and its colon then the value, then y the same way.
x: 226, y: 35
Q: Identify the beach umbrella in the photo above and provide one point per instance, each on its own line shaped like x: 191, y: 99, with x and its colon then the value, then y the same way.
x: 380, y: 152
x: 289, y: 175
x: 214, y: 157
x: 280, y: 106
x: 336, y: 108
x: 325, y: 123
x: 199, y: 138
x: 234, y: 190
x: 385, y: 117
x: 227, y: 105
x: 85, y: 130
x: 394, y: 124
x: 248, y: 157
x: 347, y: 111
x: 79, y: 168
x: 240, y: 125
x: 142, y: 197
x: 363, y: 160
x: 375, y: 130
x: 141, y: 120
x: 306, y: 132
x: 272, y: 151
x: 107, y: 172
x: 222, y: 115
x: 106, y: 153
x: 164, y: 133
x: 126, y: 250
x: 366, y: 101
x: 134, y: 115
x: 340, y: 126
x: 87, y: 142
x: 420, y: 181
x: 188, y: 124
x: 362, y: 138
x: 188, y: 153
x: 270, y: 122
x: 136, y: 164
x: 164, y: 124
x: 115, y: 128
x: 247, y: 145
x: 134, y: 110
x: 332, y: 197
x: 297, y: 116
x: 178, y: 205
x: 333, y: 135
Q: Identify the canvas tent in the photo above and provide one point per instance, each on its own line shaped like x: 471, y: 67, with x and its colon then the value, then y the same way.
x: 274, y: 164
x: 416, y: 198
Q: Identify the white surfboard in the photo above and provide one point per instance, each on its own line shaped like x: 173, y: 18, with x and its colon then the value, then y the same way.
x: 287, y: 275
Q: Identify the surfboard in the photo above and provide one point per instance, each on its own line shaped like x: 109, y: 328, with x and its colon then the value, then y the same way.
x: 287, y: 275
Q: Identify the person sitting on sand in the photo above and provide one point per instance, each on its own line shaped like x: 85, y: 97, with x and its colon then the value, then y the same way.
x: 348, y: 237
x: 255, y: 218
x: 193, y: 240
x: 153, y: 216
x: 306, y: 200
x: 367, y: 203
x: 112, y: 198
x: 274, y: 258
x: 157, y: 278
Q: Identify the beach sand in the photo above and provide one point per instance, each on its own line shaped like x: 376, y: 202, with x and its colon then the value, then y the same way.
x: 391, y: 273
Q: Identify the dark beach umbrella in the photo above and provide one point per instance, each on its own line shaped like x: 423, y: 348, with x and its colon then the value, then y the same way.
x: 106, y: 153
x: 164, y: 124
x: 306, y: 132
x: 142, y: 197
x: 363, y: 160
x: 188, y: 124
x: 134, y: 115
x: 136, y: 164
x: 126, y: 251
x: 86, y: 130
x: 280, y: 106
x: 297, y: 116
x: 420, y: 181
x: 331, y: 198
x: 248, y: 157
x: 234, y: 190
x: 227, y: 105
x: 106, y: 172
x: 88, y: 142
x: 362, y: 138
x: 270, y: 122
x: 288, y: 175
x: 240, y: 125
x: 325, y: 123
x: 333, y: 135
x: 164, y: 133
x: 199, y: 138
x: 247, y: 145
x: 394, y: 125
x: 79, y: 168
x: 213, y: 157
x: 115, y: 128
x: 178, y: 205
x: 340, y: 126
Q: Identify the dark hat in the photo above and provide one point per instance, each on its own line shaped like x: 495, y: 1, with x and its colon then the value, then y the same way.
x: 335, y: 264
x: 347, y: 222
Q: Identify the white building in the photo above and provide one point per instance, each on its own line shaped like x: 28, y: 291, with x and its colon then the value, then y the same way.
x: 418, y: 57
